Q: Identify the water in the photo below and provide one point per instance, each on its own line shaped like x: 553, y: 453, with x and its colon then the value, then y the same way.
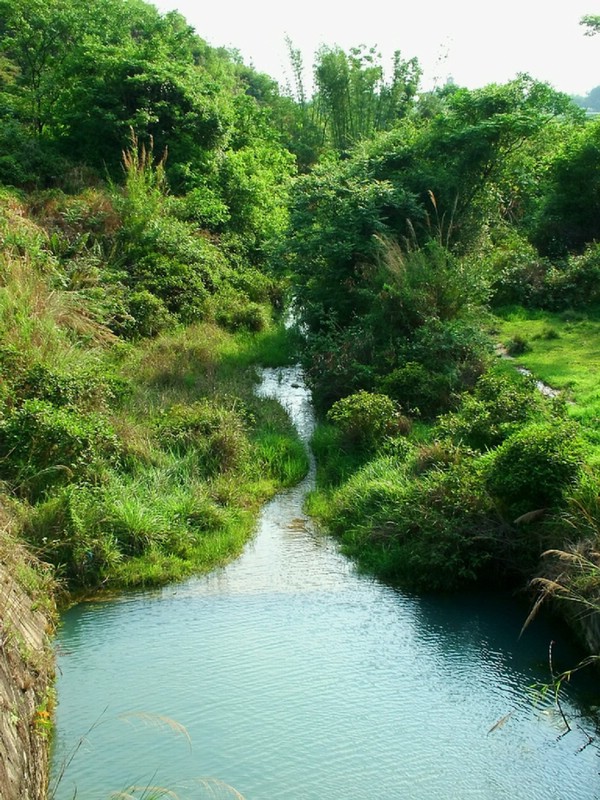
x: 288, y: 676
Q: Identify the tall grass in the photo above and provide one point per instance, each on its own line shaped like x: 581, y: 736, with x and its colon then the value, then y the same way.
x: 193, y: 450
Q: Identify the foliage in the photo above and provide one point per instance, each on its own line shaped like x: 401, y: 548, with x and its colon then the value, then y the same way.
x: 364, y: 418
x: 536, y: 465
x: 434, y: 532
x: 499, y: 405
x: 352, y: 98
x: 41, y: 445
x: 217, y: 434
x: 567, y: 218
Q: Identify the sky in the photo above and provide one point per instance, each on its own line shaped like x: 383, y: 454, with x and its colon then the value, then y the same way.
x: 474, y: 43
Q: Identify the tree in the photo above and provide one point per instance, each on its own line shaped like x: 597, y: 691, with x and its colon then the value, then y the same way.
x: 592, y: 23
x: 37, y: 38
x: 353, y: 99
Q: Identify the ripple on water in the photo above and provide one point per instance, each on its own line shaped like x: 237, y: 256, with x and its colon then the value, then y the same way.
x: 290, y: 676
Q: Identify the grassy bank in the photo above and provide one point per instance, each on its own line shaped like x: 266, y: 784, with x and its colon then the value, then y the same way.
x: 562, y: 350
x: 475, y: 495
x: 195, y: 453
x: 132, y: 447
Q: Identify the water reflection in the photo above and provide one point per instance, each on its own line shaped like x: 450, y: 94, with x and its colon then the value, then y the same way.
x: 296, y: 678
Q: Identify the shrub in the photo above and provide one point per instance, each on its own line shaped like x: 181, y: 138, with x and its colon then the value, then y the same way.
x: 338, y: 363
x: 365, y: 418
x: 576, y: 282
x: 147, y: 315
x: 66, y: 530
x: 437, y: 531
x: 517, y: 345
x: 41, y: 445
x: 416, y: 389
x: 498, y: 405
x: 216, y: 434
x: 536, y: 466
x: 234, y: 311
x: 86, y: 389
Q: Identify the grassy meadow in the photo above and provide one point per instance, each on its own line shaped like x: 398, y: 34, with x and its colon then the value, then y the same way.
x: 562, y: 350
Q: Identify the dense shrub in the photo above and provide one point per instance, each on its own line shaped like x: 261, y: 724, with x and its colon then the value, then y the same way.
x: 500, y: 403
x: 575, y: 282
x: 42, y: 445
x: 66, y: 530
x: 417, y: 389
x: 147, y: 315
x: 86, y: 389
x: 338, y: 363
x: 536, y: 466
x: 438, y: 531
x: 235, y: 311
x: 364, y: 418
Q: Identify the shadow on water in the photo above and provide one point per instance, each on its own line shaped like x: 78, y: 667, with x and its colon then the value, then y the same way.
x: 295, y: 677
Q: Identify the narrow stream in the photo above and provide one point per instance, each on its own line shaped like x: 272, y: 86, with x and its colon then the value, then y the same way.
x: 289, y: 676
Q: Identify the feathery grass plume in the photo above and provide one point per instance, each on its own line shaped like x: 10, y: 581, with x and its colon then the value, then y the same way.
x: 159, y: 721
x: 34, y: 314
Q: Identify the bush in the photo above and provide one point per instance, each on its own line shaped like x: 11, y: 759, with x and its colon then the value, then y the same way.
x: 517, y: 345
x: 365, y: 418
x: 234, y: 311
x: 86, y: 389
x: 438, y: 531
x: 66, y: 531
x: 536, y: 466
x: 416, y: 389
x: 576, y: 282
x: 41, y: 445
x: 216, y: 434
x: 338, y: 363
x: 499, y: 404
x: 147, y: 316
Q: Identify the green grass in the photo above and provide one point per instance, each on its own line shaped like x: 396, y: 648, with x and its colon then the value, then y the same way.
x: 563, y: 351
x: 199, y: 454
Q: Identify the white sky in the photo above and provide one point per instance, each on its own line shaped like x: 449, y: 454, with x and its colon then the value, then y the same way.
x: 474, y: 42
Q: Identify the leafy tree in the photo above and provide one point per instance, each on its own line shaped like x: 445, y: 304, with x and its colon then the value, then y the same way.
x: 352, y: 98
x: 568, y: 216
x: 37, y: 38
x: 592, y: 23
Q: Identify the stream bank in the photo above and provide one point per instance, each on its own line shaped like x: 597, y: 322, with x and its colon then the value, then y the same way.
x: 288, y: 674
x: 26, y: 674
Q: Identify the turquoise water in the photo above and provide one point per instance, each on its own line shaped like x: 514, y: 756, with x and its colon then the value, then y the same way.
x: 287, y: 675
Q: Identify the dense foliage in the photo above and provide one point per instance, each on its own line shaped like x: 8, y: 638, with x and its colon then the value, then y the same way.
x: 160, y: 200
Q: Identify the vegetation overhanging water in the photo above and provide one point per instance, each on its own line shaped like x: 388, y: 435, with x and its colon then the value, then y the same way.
x: 287, y: 674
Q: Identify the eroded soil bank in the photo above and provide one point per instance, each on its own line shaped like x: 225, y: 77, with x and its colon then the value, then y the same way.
x: 26, y: 677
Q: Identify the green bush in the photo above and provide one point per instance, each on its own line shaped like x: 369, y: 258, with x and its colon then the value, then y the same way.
x: 434, y: 532
x: 415, y: 388
x: 147, y: 315
x: 517, y: 345
x: 500, y: 403
x: 336, y: 460
x: 234, y: 311
x: 365, y: 418
x: 87, y: 389
x: 575, y: 282
x: 536, y: 466
x: 66, y: 530
x: 41, y: 445
x: 217, y: 435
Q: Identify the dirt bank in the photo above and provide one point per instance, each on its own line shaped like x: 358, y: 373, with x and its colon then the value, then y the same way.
x: 26, y: 673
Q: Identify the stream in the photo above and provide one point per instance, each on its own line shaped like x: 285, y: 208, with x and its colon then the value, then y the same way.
x: 287, y: 675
